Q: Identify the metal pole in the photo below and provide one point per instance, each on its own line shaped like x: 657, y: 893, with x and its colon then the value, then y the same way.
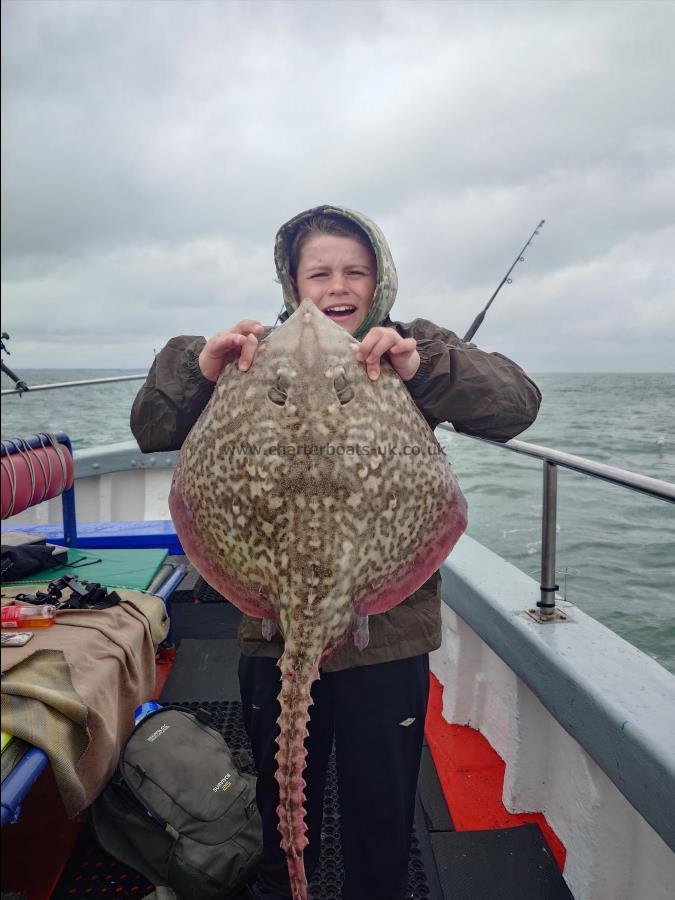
x: 548, y: 535
x: 65, y: 384
x: 68, y: 502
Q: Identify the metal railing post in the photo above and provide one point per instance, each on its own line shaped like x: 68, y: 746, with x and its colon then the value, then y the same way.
x: 548, y: 535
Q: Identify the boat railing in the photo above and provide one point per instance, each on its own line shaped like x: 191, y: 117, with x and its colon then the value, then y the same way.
x: 552, y: 459
x: 64, y: 384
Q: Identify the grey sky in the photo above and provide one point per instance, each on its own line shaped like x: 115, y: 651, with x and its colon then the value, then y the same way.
x: 151, y: 150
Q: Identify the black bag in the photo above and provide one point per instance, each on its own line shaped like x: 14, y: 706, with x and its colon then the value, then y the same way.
x: 178, y: 808
x: 19, y: 562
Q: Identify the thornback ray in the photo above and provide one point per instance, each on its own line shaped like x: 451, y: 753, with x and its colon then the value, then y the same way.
x: 312, y: 497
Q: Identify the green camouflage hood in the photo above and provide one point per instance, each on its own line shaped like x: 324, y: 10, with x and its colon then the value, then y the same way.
x: 387, y: 280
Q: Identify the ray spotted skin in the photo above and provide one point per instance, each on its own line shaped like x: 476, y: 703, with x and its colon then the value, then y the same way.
x: 312, y: 497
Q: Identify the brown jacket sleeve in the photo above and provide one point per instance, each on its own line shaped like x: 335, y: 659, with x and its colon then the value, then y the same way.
x: 172, y: 398
x: 480, y: 393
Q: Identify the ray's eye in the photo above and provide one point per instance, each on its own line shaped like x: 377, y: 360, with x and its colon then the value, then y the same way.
x: 277, y: 396
x: 343, y: 389
x: 278, y: 393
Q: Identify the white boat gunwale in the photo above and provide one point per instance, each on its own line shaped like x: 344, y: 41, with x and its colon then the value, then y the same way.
x: 613, y: 699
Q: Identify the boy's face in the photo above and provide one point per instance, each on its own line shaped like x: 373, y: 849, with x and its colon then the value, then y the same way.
x: 338, y: 274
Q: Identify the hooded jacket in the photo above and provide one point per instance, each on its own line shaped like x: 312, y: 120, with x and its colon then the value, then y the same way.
x: 386, y: 284
x: 482, y: 394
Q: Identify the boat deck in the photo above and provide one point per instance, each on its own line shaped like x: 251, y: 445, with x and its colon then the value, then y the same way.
x: 443, y: 863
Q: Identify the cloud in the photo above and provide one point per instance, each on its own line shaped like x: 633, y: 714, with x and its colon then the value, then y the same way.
x: 151, y: 150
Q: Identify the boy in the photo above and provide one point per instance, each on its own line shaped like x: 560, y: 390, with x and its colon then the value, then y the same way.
x: 371, y: 703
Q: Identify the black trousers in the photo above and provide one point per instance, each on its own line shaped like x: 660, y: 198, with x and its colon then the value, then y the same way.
x: 375, y: 714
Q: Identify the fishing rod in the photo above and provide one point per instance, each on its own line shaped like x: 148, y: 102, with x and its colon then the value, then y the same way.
x: 21, y: 385
x: 475, y: 325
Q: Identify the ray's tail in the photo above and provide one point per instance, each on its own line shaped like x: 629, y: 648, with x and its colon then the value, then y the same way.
x: 299, y: 671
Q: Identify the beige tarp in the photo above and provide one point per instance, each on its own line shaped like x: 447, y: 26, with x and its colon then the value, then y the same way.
x: 72, y: 690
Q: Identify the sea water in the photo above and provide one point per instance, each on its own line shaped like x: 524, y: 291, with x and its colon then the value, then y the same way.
x: 615, y: 548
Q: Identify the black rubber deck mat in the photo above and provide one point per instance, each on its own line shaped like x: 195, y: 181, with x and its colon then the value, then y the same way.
x: 92, y: 873
x: 206, y: 594
x: 204, y: 670
x: 502, y: 864
x: 422, y: 857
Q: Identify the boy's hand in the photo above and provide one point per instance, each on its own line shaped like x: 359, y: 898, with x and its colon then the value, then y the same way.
x: 226, y: 346
x: 402, y: 353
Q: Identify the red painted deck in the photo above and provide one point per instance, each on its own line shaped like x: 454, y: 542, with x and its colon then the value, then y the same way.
x: 472, y: 777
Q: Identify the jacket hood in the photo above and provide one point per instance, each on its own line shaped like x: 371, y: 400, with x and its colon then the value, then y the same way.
x: 387, y: 280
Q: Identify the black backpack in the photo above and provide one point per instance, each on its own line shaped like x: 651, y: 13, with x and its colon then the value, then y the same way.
x: 178, y: 808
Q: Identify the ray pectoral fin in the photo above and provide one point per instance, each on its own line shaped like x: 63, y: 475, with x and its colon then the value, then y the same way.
x: 360, y: 631
x: 269, y: 629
